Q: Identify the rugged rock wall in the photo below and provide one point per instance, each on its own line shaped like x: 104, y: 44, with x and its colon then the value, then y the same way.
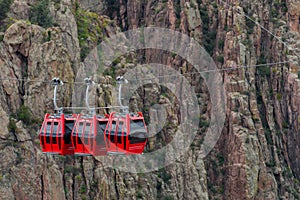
x: 257, y: 154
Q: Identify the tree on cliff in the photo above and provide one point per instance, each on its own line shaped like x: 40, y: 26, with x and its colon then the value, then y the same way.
x: 40, y: 14
x: 4, y: 8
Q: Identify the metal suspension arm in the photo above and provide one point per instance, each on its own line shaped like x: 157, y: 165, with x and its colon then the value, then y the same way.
x: 56, y: 82
x: 120, y: 95
x: 88, y: 83
x: 120, y: 81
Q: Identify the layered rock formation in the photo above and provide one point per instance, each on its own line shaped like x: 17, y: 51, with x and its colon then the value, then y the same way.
x: 256, y: 156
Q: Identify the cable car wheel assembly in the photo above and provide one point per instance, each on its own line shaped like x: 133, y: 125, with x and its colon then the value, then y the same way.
x: 91, y: 134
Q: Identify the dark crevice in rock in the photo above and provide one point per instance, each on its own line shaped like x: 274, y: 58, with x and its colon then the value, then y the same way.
x: 64, y: 184
x: 123, y: 16
x: 116, y: 187
x: 73, y: 185
x: 42, y: 187
x: 82, y: 173
x: 24, y: 72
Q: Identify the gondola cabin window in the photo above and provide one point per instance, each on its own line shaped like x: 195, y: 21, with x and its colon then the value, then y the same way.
x: 137, y: 132
x: 68, y: 130
x: 48, y: 132
x: 113, y: 130
x: 54, y: 133
x: 80, y: 129
x: 100, y: 132
x: 86, y: 133
x: 119, y: 134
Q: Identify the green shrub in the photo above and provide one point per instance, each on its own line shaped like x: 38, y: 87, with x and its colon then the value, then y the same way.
x: 12, y: 127
x: 283, y: 7
x: 278, y: 96
x: 268, y: 136
x: 111, y: 71
x: 221, y: 43
x: 12, y: 143
x: 263, y: 70
x: 48, y: 36
x: 113, y: 6
x: 285, y: 125
x: 177, y: 23
x: 168, y: 197
x: 90, y: 30
x: 24, y: 114
x: 78, y: 177
x: 209, y: 39
x: 262, y: 59
x: 82, y: 189
x: 203, y: 123
x: 72, y: 169
x: 220, y: 59
x: 271, y: 164
x: 274, y: 12
x: 249, y: 25
x: 4, y: 8
x: 57, y: 4
x: 139, y: 195
x: 164, y: 175
x: 83, y: 32
x: 158, y: 185
x: 177, y: 9
x: 221, y: 159
x: 40, y: 14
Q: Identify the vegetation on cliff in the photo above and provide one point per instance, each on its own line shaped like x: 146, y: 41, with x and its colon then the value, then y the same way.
x: 40, y: 14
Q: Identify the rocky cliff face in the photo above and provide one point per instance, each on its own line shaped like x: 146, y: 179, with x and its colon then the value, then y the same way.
x: 257, y: 155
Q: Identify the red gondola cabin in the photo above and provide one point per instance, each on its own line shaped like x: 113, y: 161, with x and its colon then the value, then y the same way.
x: 126, y: 134
x: 88, y: 135
x: 55, y: 134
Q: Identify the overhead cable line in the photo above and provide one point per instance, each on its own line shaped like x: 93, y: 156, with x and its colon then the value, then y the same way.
x: 268, y: 31
x: 205, y: 71
x: 172, y: 75
x: 213, y: 70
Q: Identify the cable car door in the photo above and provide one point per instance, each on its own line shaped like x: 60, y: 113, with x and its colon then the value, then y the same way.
x: 99, y: 142
x: 86, y: 137
x: 79, y: 139
x: 46, y: 137
x: 111, y: 137
x: 137, y: 137
x: 120, y: 141
x: 56, y: 137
